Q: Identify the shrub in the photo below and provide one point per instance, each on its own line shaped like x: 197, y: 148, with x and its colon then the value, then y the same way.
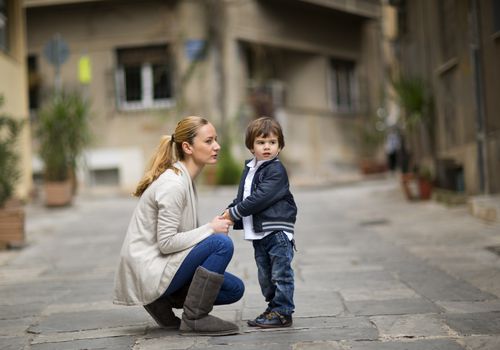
x: 9, y: 171
x: 228, y: 170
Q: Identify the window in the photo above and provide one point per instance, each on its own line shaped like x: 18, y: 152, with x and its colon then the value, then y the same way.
x: 4, y: 33
x: 496, y: 16
x: 447, y: 10
x: 343, y: 86
x: 33, y: 83
x: 144, y: 78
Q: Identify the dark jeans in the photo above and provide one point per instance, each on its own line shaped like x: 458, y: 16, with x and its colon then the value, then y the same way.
x: 213, y: 253
x: 273, y: 255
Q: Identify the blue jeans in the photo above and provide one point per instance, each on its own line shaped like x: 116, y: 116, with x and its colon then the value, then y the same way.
x: 273, y: 255
x: 213, y: 253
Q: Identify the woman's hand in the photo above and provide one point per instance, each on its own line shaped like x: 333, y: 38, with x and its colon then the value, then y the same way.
x: 220, y: 225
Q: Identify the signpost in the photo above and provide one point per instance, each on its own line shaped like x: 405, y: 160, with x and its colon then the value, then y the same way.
x: 57, y: 52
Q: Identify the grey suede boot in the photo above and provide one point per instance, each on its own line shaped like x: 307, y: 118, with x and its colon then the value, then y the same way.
x: 161, y: 309
x: 199, y: 302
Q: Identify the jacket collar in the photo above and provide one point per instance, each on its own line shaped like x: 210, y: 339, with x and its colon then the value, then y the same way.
x: 251, y: 163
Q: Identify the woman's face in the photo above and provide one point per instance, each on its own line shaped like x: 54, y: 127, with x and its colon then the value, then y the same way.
x: 205, y: 147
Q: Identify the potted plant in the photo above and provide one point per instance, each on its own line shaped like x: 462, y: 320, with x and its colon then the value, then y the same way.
x: 63, y: 132
x: 11, y: 210
x: 425, y: 180
x: 372, y: 136
x: 415, y: 99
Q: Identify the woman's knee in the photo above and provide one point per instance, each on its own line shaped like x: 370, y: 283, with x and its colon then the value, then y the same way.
x: 223, y: 243
x: 240, y: 289
x: 237, y: 290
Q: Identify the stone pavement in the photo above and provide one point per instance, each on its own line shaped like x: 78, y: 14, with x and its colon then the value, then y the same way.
x: 372, y: 272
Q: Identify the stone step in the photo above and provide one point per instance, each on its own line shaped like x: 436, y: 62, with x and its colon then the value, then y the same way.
x: 486, y: 207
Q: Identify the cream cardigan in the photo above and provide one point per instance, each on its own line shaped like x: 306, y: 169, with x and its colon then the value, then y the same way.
x: 162, y: 231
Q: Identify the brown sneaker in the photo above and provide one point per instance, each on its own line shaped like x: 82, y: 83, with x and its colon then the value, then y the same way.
x: 253, y: 323
x: 274, y: 320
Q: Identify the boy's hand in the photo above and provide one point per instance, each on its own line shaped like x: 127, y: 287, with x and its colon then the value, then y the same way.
x: 227, y: 216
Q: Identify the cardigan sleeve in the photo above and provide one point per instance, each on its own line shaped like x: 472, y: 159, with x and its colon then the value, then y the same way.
x: 172, y: 200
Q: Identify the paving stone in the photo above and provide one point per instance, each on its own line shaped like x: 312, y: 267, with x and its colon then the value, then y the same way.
x: 481, y: 342
x: 410, y: 326
x: 115, y: 343
x: 381, y: 293
x: 317, y: 303
x: 474, y: 323
x: 431, y: 344
x: 12, y: 343
x: 317, y: 345
x: 79, y: 321
x: 465, y: 307
x: 32, y: 292
x: 20, y: 310
x: 391, y: 307
x: 95, y: 334
x: 16, y: 326
x: 171, y: 343
x: 438, y: 285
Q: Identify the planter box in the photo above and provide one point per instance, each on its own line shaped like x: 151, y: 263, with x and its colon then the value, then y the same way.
x: 58, y: 194
x: 11, y: 225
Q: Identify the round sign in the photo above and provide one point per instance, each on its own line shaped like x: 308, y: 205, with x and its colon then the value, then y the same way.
x: 56, y: 50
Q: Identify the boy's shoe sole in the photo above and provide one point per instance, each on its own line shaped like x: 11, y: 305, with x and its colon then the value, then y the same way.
x: 273, y: 325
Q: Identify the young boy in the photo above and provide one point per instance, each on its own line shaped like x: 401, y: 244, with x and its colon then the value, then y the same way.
x: 265, y: 209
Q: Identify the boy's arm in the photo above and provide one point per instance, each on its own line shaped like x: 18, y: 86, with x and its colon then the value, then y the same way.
x: 271, y: 189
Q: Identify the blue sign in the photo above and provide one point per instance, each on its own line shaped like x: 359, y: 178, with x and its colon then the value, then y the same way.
x: 194, y: 49
x: 56, y: 50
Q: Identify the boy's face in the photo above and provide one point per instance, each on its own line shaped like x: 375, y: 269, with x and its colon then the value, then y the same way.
x: 265, y: 148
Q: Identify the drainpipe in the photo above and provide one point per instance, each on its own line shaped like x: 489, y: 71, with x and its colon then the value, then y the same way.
x: 481, y: 139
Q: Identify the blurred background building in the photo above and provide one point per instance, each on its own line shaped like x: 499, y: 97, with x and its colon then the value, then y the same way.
x: 453, y: 48
x: 316, y: 66
x: 330, y: 71
x: 13, y: 83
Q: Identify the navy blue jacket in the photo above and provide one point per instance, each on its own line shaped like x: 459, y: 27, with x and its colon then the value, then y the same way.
x: 270, y: 203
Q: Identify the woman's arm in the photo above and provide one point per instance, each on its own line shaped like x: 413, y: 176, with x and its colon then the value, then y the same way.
x: 172, y: 200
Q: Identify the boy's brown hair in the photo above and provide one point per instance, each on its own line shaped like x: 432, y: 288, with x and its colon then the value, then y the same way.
x: 264, y: 127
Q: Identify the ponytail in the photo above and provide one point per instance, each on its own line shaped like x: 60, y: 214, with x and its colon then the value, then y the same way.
x: 161, y: 161
x: 170, y: 151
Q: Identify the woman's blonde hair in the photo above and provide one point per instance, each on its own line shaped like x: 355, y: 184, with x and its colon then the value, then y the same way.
x: 170, y: 151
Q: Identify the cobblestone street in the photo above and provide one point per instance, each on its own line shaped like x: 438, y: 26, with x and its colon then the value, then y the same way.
x: 373, y: 271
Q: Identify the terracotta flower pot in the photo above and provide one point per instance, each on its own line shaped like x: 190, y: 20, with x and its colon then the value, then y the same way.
x: 425, y: 189
x: 409, y: 183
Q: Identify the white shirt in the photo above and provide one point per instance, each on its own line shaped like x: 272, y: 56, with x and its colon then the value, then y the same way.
x: 250, y: 234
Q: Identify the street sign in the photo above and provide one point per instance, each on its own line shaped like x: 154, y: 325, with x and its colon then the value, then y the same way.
x: 56, y: 51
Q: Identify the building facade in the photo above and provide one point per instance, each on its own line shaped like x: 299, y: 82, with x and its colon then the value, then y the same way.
x: 314, y: 65
x: 454, y: 46
x: 13, y: 82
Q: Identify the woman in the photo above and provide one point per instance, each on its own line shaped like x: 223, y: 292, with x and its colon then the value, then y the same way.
x: 166, y: 256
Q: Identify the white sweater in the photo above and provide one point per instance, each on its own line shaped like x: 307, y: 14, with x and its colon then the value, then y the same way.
x: 162, y: 231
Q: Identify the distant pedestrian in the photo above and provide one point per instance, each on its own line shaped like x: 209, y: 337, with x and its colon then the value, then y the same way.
x: 392, y: 148
x: 265, y: 209
x: 168, y: 259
